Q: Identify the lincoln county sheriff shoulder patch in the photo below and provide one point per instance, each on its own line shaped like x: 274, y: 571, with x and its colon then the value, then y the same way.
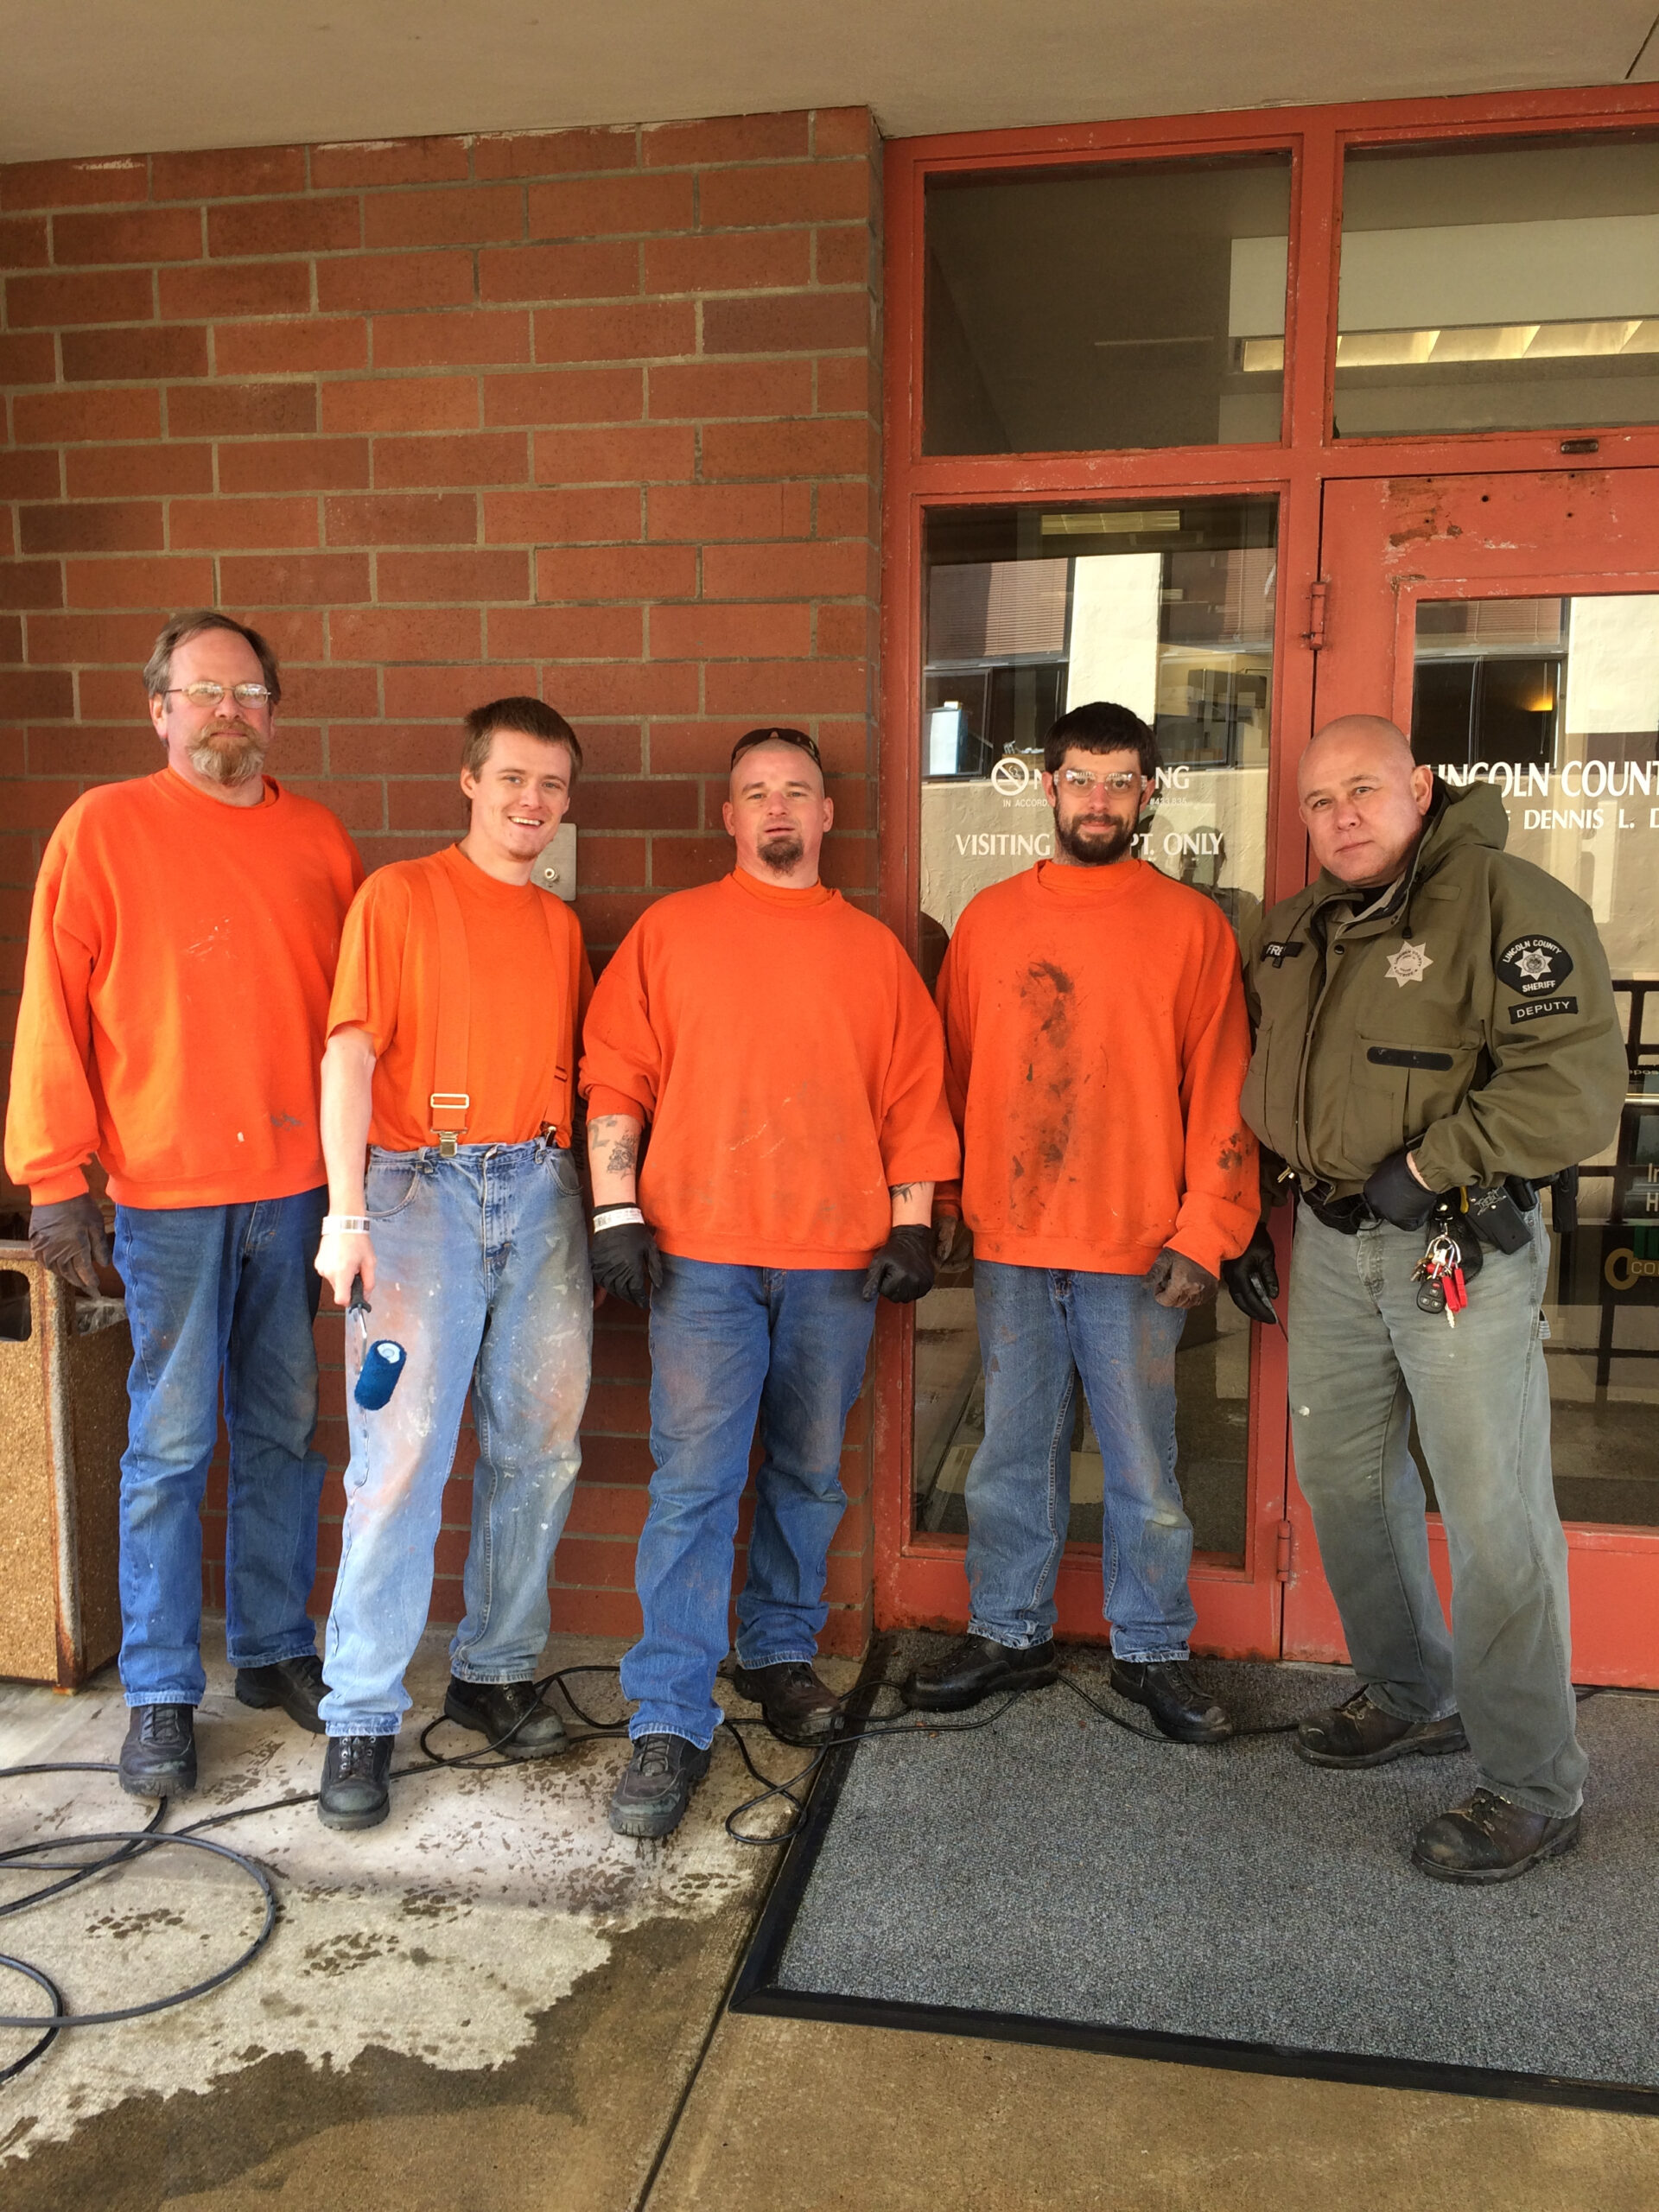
x: 1409, y: 964
x: 1534, y: 965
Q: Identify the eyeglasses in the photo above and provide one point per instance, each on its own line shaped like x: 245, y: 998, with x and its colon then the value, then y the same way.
x: 209, y: 694
x: 1120, y: 781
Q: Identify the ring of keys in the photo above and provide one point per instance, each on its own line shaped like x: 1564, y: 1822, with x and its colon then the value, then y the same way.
x: 1439, y: 1277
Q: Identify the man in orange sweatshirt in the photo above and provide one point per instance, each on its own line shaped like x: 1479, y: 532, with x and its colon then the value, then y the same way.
x: 1095, y: 1041
x: 785, y: 1052
x: 181, y: 953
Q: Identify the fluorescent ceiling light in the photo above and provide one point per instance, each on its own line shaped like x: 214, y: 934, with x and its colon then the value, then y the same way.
x: 1510, y: 341
x: 1110, y: 525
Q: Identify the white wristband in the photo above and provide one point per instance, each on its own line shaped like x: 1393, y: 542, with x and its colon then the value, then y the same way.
x: 345, y: 1225
x: 615, y: 1216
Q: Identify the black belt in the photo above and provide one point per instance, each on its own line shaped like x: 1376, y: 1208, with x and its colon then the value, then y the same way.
x: 1349, y: 1216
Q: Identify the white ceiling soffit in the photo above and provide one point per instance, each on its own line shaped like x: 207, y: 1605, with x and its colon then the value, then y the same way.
x: 91, y: 77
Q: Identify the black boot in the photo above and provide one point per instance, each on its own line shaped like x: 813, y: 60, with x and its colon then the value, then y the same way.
x: 510, y: 1714
x: 797, y: 1707
x: 295, y: 1684
x: 651, y: 1797
x: 159, y: 1757
x: 972, y: 1668
x: 1176, y: 1703
x: 355, y: 1792
x: 1490, y: 1840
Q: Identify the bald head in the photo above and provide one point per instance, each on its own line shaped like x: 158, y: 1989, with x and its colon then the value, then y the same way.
x: 1362, y: 798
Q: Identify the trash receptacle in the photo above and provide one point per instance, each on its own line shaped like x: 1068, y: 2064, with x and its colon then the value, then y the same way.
x: 63, y: 1420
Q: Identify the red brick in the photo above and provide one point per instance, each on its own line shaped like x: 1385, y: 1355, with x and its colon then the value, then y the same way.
x: 628, y: 454
x: 446, y: 694
x: 39, y: 805
x: 626, y: 332
x: 645, y: 572
x: 704, y: 390
x: 326, y: 580
x: 73, y: 184
x: 562, y: 517
x: 608, y: 861
x: 605, y: 921
x: 402, y: 518
x: 402, y: 403
x: 611, y: 206
x: 838, y: 446
x: 850, y: 384
x: 416, y: 802
x: 248, y: 227
x: 629, y: 802
x: 323, y: 693
x: 251, y: 288
x: 96, y: 750
x: 54, y: 301
x: 110, y: 527
x: 623, y: 687
x: 48, y: 693
x: 376, y: 282
x: 36, y: 475
x: 698, y: 512
x: 138, y: 234
x: 701, y: 748
x: 797, y: 687
x: 844, y: 130
x: 134, y: 356
x: 25, y: 241
x: 738, y: 262
x: 156, y: 582
x: 231, y: 172
x: 787, y: 322
x: 270, y: 348
x: 603, y: 268
x: 678, y: 863
x: 52, y: 418
x: 841, y: 570
x: 404, y: 161
x: 422, y: 341
x: 112, y: 694
x: 728, y: 138
x: 848, y: 510
x: 566, y: 633
x: 845, y: 747
x: 613, y: 749
x: 360, y: 806
x: 541, y: 396
x: 849, y: 864
x: 386, y: 749
x: 31, y: 358
x: 444, y: 634
x: 705, y: 632
x: 846, y: 632
x: 553, y: 153
x: 586, y: 1613
x: 221, y: 524
x: 295, y: 464
x: 453, y: 215
x: 478, y: 457
x: 793, y: 192
x: 31, y: 583
x: 217, y: 410
x: 117, y: 640
x: 585, y: 1563
x: 606, y: 1508
x: 843, y: 255
x: 110, y: 471
x: 420, y: 578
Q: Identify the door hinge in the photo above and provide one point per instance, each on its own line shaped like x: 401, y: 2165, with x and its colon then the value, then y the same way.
x: 1281, y: 1563
x: 1318, y: 594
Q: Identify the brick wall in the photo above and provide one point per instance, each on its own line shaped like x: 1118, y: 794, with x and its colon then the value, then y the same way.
x: 593, y: 414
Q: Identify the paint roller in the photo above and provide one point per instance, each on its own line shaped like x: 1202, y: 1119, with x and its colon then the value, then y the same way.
x: 384, y: 1360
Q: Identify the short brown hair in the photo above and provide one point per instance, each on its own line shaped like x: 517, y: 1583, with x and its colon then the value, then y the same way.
x: 528, y: 717
x: 1102, y: 727
x: 159, y: 667
x: 752, y: 740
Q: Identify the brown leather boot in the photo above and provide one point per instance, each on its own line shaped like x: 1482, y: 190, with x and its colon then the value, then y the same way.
x: 1487, y: 1838
x: 1360, y: 1733
x: 797, y: 1707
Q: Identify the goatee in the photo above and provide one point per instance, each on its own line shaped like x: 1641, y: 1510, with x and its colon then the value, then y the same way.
x: 236, y: 758
x: 782, y: 854
x: 1109, y: 844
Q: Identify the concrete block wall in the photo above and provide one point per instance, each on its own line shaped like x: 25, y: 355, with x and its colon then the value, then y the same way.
x: 593, y: 414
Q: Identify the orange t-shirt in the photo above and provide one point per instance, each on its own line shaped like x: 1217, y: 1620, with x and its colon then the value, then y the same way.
x: 789, y: 1060
x: 1096, y: 1040
x: 522, y: 1027
x: 181, y: 953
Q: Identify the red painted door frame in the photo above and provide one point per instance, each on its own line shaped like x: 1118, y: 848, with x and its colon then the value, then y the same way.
x: 919, y: 1577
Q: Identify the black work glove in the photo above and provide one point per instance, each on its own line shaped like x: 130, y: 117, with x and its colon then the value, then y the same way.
x: 1395, y: 1193
x: 627, y: 1263
x: 1252, y: 1279
x: 1177, y: 1282
x: 69, y: 1238
x: 903, y: 1269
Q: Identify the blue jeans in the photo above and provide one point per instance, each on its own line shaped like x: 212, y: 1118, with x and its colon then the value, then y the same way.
x: 216, y: 1291
x: 482, y: 1274
x: 727, y: 1342
x: 1040, y: 1330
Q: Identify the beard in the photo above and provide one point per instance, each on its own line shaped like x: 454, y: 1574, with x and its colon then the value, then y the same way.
x: 782, y: 854
x: 1093, y: 846
x: 234, y: 755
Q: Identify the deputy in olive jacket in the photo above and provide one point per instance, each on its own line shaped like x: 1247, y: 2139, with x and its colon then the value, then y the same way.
x: 1433, y: 1016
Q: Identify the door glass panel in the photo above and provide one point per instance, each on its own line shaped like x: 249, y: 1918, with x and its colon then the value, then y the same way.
x: 1139, y: 304
x: 1499, y: 286
x: 1556, y: 701
x: 1028, y: 611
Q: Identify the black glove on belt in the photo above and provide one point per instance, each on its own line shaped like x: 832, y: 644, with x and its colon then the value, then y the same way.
x: 1252, y: 1279
x: 903, y: 1269
x: 627, y: 1263
x: 1395, y: 1193
x: 69, y: 1238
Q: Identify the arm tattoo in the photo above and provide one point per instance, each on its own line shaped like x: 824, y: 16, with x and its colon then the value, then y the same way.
x: 624, y: 1154
x: 902, y: 1191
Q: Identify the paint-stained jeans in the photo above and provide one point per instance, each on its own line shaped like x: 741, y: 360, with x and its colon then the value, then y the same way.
x: 727, y: 1344
x: 1040, y: 1329
x: 216, y: 1291
x: 482, y: 1274
x: 1363, y: 1355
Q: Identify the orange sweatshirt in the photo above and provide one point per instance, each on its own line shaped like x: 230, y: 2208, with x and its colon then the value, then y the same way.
x: 181, y: 953
x: 786, y: 1055
x: 1096, y: 1042
x: 521, y: 1024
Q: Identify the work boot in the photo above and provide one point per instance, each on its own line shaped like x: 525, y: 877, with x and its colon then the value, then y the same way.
x: 510, y: 1714
x: 972, y: 1668
x: 159, y: 1757
x: 797, y: 1707
x: 1490, y: 1840
x: 295, y: 1684
x: 355, y: 1792
x: 1177, y: 1705
x: 1360, y: 1733
x: 651, y: 1797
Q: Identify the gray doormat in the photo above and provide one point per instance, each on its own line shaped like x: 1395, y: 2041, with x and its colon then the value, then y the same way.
x: 1048, y: 1876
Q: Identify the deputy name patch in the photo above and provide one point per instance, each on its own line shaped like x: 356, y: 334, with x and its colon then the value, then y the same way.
x: 1534, y: 1009
x: 1534, y: 966
x: 1279, y: 953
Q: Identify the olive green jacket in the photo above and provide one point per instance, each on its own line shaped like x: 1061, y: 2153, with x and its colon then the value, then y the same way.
x: 1476, y: 1014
